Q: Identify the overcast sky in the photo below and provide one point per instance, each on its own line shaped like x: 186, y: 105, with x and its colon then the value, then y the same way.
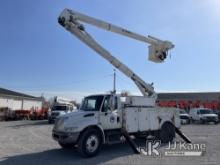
x: 38, y: 56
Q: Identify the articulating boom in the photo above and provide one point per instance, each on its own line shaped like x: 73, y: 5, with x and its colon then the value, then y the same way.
x: 157, y: 50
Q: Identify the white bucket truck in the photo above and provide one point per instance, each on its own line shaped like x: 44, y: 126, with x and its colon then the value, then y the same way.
x: 105, y: 119
x: 60, y: 106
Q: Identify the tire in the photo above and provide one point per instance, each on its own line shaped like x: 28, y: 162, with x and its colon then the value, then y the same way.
x: 89, y: 143
x: 66, y: 145
x: 167, y: 132
x: 216, y: 122
x: 188, y: 122
x: 202, y: 121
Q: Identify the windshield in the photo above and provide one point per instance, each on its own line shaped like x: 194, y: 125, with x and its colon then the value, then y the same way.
x: 206, y: 111
x: 59, y: 108
x: 92, y: 103
x: 182, y: 112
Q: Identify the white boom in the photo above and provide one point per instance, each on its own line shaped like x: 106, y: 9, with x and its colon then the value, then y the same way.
x: 157, y: 50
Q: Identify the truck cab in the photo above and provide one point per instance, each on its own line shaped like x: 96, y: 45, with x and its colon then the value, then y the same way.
x: 203, y: 115
x: 60, y: 106
x: 58, y: 110
x: 102, y: 118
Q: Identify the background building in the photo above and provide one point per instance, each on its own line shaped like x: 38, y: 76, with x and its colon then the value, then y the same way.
x: 19, y: 101
x: 190, y: 100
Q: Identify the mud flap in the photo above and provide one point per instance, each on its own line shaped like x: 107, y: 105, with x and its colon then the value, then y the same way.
x: 182, y: 135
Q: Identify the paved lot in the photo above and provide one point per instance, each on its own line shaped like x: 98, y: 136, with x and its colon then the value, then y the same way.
x: 30, y: 142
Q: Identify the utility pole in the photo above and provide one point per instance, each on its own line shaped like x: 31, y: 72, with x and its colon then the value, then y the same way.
x: 114, y: 82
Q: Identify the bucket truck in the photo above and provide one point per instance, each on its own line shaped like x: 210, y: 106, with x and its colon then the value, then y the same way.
x: 106, y: 118
x: 59, y: 106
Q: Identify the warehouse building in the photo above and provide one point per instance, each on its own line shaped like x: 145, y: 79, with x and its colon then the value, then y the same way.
x: 19, y: 101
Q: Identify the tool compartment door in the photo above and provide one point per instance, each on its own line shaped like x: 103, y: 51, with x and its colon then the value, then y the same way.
x: 130, y: 119
x: 144, y: 118
x: 139, y: 119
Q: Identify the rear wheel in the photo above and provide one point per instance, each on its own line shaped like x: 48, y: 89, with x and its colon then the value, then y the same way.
x: 188, y: 121
x: 202, y: 121
x: 89, y: 143
x: 167, y: 132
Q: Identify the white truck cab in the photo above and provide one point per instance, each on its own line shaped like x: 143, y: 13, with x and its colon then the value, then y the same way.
x: 60, y: 106
x: 102, y: 118
x: 184, y: 117
x: 203, y: 115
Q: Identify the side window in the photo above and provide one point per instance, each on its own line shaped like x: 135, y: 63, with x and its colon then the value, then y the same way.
x: 106, y: 105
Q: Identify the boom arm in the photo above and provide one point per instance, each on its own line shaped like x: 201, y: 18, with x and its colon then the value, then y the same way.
x: 158, y: 49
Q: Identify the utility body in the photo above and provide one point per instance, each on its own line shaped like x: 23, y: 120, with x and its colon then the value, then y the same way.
x: 105, y: 119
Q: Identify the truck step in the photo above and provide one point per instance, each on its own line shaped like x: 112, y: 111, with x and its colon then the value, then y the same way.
x: 113, y: 139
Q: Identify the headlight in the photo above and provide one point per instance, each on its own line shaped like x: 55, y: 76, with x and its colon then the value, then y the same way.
x: 59, y: 124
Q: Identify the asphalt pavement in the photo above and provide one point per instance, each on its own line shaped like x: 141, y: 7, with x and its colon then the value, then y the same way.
x: 30, y: 142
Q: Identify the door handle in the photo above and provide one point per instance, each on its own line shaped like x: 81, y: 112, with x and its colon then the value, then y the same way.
x: 106, y: 113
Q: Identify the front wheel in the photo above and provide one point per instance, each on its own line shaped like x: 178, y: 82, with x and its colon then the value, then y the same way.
x: 202, y: 121
x: 89, y: 143
x: 167, y: 132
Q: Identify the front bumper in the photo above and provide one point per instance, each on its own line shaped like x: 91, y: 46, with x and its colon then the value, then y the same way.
x: 185, y: 121
x: 65, y: 137
x: 210, y: 119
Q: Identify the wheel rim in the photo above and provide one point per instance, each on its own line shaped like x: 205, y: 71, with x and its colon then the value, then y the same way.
x: 92, y: 143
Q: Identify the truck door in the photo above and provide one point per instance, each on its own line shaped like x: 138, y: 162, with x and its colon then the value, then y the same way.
x: 109, y: 118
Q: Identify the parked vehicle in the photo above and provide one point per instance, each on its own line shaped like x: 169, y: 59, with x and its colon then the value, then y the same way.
x: 203, y: 115
x: 217, y: 112
x: 184, y: 117
x: 60, y: 106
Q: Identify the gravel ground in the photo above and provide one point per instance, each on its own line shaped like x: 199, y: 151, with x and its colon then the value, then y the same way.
x: 30, y: 142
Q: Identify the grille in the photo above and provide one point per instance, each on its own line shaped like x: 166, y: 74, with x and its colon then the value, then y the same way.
x: 184, y: 117
x: 210, y: 118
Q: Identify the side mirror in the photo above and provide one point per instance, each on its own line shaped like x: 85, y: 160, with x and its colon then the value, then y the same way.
x: 113, y: 103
